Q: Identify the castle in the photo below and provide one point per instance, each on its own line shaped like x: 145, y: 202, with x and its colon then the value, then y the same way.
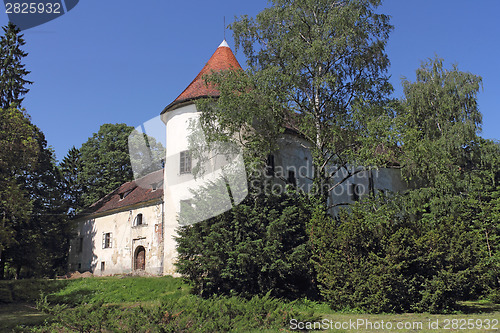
x: 134, y: 227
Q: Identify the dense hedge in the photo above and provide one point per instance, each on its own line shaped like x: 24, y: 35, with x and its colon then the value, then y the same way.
x: 259, y: 246
x: 378, y: 258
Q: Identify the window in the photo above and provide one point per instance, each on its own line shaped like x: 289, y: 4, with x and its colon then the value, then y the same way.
x: 270, y: 165
x: 103, y: 266
x: 138, y: 220
x: 123, y: 195
x: 185, y: 162
x: 80, y: 245
x: 355, y: 192
x: 291, y: 178
x: 106, y: 240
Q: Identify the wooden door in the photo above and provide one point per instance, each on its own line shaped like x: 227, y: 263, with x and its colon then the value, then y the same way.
x: 140, y: 258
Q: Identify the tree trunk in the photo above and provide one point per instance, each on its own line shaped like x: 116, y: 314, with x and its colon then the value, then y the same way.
x: 2, y: 265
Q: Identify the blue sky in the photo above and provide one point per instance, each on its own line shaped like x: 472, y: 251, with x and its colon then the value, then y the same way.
x: 124, y: 61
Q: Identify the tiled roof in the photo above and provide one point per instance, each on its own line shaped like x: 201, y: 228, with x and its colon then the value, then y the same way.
x: 222, y: 59
x: 129, y: 194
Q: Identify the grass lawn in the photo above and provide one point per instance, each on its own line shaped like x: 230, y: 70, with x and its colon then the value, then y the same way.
x: 137, y: 302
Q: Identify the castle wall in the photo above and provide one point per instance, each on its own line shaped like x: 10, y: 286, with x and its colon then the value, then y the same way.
x: 117, y: 254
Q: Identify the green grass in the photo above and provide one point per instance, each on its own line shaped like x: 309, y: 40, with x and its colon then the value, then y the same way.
x: 119, y: 290
x: 141, y: 304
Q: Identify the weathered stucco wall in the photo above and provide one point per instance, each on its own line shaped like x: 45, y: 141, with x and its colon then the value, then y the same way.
x: 124, y: 241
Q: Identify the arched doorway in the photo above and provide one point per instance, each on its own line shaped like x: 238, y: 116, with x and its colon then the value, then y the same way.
x: 140, y: 258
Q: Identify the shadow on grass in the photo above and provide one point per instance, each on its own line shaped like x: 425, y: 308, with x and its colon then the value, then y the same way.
x: 19, y: 314
x: 483, y: 306
x: 73, y: 298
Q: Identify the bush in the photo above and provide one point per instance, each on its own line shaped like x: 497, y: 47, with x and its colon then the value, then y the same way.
x: 378, y: 259
x: 188, y: 313
x: 259, y: 246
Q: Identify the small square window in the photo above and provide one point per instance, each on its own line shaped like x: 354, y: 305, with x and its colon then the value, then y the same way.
x: 185, y: 162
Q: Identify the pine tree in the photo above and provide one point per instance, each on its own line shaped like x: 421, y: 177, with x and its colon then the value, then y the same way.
x: 71, y: 168
x: 12, y: 70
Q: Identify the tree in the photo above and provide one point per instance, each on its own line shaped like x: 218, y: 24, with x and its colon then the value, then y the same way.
x: 71, y: 167
x: 12, y: 70
x: 318, y: 67
x: 438, y: 123
x: 395, y: 263
x: 18, y: 153
x: 41, y: 245
x: 260, y: 246
x: 105, y: 161
x: 438, y: 242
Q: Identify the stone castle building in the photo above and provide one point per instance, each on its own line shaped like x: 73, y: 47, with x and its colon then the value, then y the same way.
x: 134, y: 227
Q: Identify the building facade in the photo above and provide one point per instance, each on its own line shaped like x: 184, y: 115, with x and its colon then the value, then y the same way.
x: 134, y: 227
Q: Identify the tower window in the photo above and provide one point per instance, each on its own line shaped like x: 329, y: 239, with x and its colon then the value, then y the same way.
x: 103, y: 266
x: 355, y: 192
x: 185, y: 162
x: 270, y: 165
x: 80, y: 245
x: 291, y: 178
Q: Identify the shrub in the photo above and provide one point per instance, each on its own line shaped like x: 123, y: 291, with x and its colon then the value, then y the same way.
x: 259, y: 246
x: 375, y: 257
x: 188, y: 313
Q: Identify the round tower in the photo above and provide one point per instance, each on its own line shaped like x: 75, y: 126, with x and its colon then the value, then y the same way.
x: 177, y: 117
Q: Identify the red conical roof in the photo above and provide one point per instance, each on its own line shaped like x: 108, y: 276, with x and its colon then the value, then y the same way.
x: 222, y: 59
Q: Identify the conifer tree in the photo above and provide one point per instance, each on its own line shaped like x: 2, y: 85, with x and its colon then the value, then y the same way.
x: 71, y: 167
x: 12, y: 70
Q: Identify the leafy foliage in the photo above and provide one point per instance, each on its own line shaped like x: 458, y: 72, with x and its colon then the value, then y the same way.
x: 317, y: 67
x: 185, y: 314
x: 437, y: 243
x: 174, y: 310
